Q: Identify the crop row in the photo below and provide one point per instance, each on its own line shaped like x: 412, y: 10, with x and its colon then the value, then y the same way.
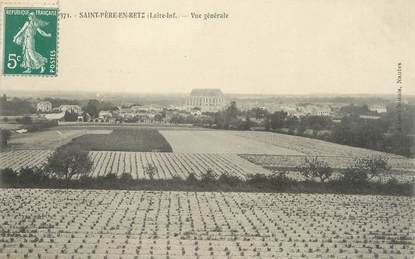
x: 38, y: 223
x: 278, y: 161
x: 311, y: 147
x: 402, y: 168
x: 170, y: 165
x: 23, y: 158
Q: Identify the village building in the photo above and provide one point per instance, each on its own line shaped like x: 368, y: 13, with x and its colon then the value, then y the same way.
x: 45, y: 106
x: 70, y: 108
x: 379, y: 108
x: 208, y: 100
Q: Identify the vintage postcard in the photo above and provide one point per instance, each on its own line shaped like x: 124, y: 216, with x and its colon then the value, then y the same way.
x: 207, y: 129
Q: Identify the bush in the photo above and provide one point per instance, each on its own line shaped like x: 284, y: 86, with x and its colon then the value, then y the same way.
x: 110, y: 177
x: 191, y: 178
x: 27, y: 176
x: 26, y: 120
x: 209, y: 177
x: 258, y: 179
x: 375, y: 166
x: 32, y: 176
x: 8, y: 176
x: 85, y: 179
x: 315, y: 168
x: 365, y: 169
x: 126, y: 178
x: 229, y: 179
x: 354, y: 175
x: 280, y: 179
x: 41, y: 125
x: 4, y: 137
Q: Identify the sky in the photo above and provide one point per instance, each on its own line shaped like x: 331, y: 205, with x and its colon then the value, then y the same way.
x: 264, y: 47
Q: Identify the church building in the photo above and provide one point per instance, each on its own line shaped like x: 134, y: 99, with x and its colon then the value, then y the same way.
x: 207, y: 100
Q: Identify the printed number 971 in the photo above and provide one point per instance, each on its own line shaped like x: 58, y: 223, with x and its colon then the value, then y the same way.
x: 12, y: 61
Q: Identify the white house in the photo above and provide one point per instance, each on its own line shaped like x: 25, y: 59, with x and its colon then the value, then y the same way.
x: 45, y: 106
x: 379, y: 108
x: 70, y: 108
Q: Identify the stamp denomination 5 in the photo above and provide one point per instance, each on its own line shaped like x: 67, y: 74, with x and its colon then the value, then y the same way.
x: 30, y: 41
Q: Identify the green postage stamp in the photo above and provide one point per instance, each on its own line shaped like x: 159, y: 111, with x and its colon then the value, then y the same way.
x: 30, y: 41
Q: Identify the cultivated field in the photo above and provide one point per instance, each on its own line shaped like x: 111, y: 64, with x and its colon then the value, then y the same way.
x: 194, y: 151
x: 277, y: 151
x: 340, y: 162
x: 127, y: 139
x: 137, y: 224
x: 23, y: 158
x: 308, y: 146
x: 168, y: 164
x: 51, y: 138
x: 220, y: 142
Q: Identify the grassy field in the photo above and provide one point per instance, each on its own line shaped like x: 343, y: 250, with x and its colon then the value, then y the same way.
x: 308, y: 146
x: 128, y: 139
x: 50, y: 139
x: 10, y: 126
x: 140, y: 224
x: 220, y: 141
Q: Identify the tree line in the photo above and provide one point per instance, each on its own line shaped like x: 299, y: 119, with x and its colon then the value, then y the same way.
x: 353, y: 130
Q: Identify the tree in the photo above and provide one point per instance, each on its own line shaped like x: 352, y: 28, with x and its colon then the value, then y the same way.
x: 85, y: 117
x: 70, y: 116
x: 316, y: 123
x: 247, y: 123
x: 15, y: 107
x: 158, y: 117
x: 26, y: 120
x: 267, y: 123
x: 316, y: 168
x: 360, y: 133
x: 93, y: 108
x: 374, y: 166
x: 228, y: 118
x: 365, y: 169
x: 232, y: 111
x: 278, y: 119
x: 69, y: 161
x: 292, y: 123
x: 4, y: 137
x: 258, y: 113
x: 150, y: 170
x: 400, y: 144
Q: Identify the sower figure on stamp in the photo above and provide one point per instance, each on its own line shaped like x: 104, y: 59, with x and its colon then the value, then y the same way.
x: 26, y: 38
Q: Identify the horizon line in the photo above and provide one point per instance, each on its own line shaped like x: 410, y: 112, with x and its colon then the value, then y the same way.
x: 4, y: 91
